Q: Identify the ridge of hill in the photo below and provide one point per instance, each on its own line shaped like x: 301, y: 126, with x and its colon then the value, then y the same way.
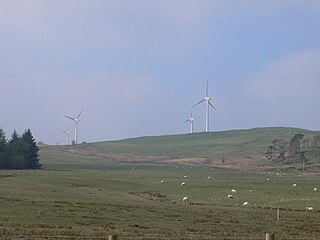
x: 229, y: 149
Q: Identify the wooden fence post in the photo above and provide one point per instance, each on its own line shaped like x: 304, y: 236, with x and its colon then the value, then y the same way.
x: 270, y: 236
x: 113, y: 237
x: 278, y: 213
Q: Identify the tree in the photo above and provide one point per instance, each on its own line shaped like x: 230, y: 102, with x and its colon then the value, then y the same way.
x: 15, y: 157
x: 3, y: 149
x: 277, y: 151
x: 270, y: 154
x: 316, y: 147
x: 294, y: 146
x: 282, y: 151
x: 30, y: 151
x: 23, y: 151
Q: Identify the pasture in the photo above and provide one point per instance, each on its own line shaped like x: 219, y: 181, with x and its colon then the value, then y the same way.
x: 83, y: 196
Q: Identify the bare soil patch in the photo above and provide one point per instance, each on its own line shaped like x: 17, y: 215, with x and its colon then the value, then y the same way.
x: 251, y: 162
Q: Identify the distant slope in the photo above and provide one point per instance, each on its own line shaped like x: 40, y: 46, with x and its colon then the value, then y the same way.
x: 229, y: 149
x: 233, y: 143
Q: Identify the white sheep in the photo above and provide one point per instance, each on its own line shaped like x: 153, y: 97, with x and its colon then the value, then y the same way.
x: 294, y: 185
x: 162, y: 181
x: 233, y: 191
x: 230, y: 196
x: 185, y: 176
x: 185, y: 199
x: 268, y: 179
x: 245, y: 204
x: 309, y: 209
x: 183, y: 183
x: 209, y: 177
x: 315, y: 189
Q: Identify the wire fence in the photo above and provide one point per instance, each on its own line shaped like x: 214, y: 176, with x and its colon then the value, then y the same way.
x: 115, y: 237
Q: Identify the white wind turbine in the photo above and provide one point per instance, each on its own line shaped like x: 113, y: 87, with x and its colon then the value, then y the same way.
x: 76, y: 122
x: 68, y: 134
x: 190, y: 119
x: 208, y: 103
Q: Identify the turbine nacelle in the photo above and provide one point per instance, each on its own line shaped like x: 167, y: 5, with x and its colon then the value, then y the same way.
x: 189, y: 120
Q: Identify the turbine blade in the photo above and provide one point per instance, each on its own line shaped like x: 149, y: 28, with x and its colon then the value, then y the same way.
x: 80, y: 113
x: 198, y: 103
x: 69, y: 117
x: 212, y: 106
x: 186, y: 120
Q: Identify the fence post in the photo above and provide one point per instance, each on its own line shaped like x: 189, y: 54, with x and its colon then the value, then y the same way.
x: 113, y: 237
x: 270, y: 236
x: 278, y: 213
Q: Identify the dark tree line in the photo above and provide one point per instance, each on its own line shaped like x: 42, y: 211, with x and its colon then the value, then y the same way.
x: 20, y: 152
x: 297, y: 149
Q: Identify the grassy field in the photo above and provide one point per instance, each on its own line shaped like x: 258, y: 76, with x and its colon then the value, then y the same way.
x: 87, y: 196
x: 79, y: 196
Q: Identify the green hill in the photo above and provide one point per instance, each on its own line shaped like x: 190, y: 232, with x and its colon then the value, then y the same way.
x: 234, y: 147
x: 210, y: 145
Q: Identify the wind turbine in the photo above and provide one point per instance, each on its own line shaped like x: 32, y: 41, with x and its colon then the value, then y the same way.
x: 76, y: 122
x: 206, y: 99
x: 190, y: 119
x: 67, y: 133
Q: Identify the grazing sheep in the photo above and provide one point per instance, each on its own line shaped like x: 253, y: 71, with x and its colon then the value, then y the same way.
x: 185, y: 176
x: 245, y: 204
x: 315, y: 189
x: 230, y: 196
x: 185, y: 199
x: 309, y: 209
x: 233, y: 191
x: 162, y: 181
x: 183, y: 183
x: 268, y: 179
x: 209, y: 177
x: 294, y: 185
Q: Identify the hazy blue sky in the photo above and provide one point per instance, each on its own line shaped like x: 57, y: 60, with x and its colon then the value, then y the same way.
x: 137, y: 66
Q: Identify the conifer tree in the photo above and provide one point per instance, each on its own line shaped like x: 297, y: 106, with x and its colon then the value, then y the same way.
x: 3, y: 149
x: 29, y: 150
x: 15, y: 152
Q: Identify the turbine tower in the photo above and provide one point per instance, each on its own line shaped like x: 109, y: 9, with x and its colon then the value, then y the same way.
x: 67, y: 133
x: 206, y: 99
x: 190, y: 119
x: 76, y: 123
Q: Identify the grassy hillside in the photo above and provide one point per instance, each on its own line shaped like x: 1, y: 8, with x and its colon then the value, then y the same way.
x: 211, y: 145
x: 229, y: 149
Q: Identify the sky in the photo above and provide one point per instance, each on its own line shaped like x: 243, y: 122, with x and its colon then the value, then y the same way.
x: 137, y: 67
